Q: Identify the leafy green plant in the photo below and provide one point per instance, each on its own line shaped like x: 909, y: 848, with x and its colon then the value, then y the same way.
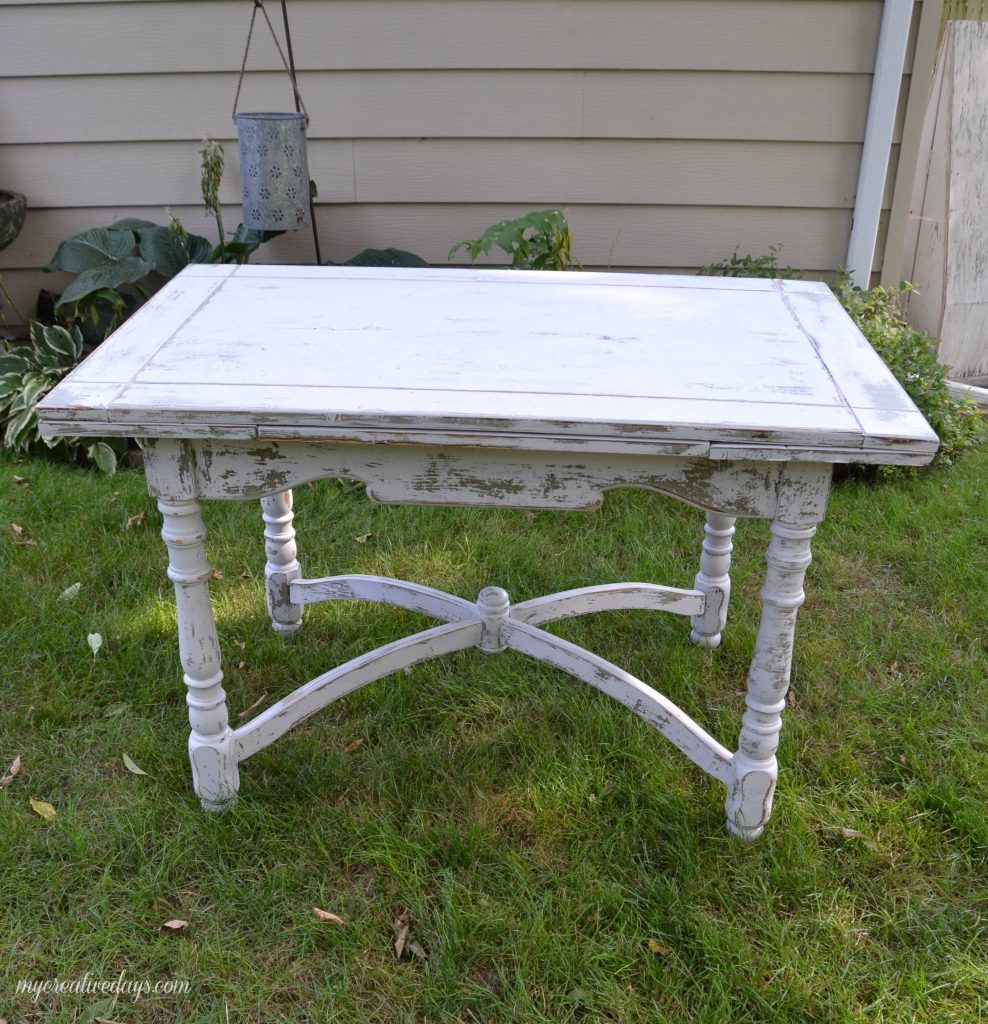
x: 244, y: 241
x: 385, y: 258
x: 750, y: 266
x: 538, y: 241
x: 27, y: 373
x: 118, y: 264
x: 123, y: 255
x: 912, y: 356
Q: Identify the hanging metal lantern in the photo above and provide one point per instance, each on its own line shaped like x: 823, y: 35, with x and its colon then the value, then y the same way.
x: 274, y: 170
x: 274, y: 167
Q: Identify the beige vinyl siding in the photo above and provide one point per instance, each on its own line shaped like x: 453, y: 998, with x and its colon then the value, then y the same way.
x: 671, y: 131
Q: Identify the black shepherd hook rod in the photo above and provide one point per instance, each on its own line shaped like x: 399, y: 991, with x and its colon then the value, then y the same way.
x: 298, y: 109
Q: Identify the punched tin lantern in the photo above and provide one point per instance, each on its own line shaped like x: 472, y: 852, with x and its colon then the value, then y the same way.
x: 274, y: 170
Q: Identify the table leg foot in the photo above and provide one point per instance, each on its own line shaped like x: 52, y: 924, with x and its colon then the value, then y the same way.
x: 754, y: 770
x: 215, y: 772
x: 282, y: 564
x: 750, y: 789
x: 714, y: 580
x: 214, y: 767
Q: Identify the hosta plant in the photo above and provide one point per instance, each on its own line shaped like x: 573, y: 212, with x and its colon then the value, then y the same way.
x: 27, y: 373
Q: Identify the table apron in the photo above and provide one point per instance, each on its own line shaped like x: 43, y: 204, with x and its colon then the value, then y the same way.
x: 433, y: 475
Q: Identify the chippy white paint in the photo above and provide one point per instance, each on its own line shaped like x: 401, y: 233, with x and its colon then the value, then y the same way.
x: 532, y: 389
x: 713, y: 580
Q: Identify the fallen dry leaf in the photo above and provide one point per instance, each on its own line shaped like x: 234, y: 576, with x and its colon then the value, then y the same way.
x: 175, y: 925
x: 402, y: 926
x: 131, y: 766
x: 363, y: 538
x: 406, y: 947
x: 240, y: 644
x: 352, y: 745
x: 22, y: 480
x: 18, y: 530
x: 791, y: 700
x: 135, y: 520
x: 241, y: 665
x: 325, y: 915
x: 216, y: 574
x: 657, y: 948
x: 16, y: 768
x: 853, y: 833
x: 70, y: 593
x: 257, y: 703
x: 44, y: 809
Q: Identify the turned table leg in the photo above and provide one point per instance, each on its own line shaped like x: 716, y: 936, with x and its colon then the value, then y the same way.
x: 714, y: 580
x: 215, y: 775
x: 282, y: 565
x: 754, y: 770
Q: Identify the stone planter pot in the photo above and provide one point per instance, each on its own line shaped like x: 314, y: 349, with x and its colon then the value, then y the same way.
x: 13, y: 206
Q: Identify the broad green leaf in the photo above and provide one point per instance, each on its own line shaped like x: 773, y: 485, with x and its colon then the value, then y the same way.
x: 199, y: 249
x: 159, y: 247
x: 232, y: 252
x: 253, y: 236
x: 385, y: 258
x: 112, y: 275
x: 104, y: 457
x: 43, y: 808
x: 131, y: 767
x: 131, y: 224
x: 92, y: 249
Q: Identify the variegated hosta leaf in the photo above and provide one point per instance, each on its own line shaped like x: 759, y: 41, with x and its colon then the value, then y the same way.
x: 18, y: 432
x: 104, y: 457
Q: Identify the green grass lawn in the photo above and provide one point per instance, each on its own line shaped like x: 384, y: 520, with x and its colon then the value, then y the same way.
x: 539, y: 835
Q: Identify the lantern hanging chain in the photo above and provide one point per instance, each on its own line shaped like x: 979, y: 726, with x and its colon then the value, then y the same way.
x: 299, y: 105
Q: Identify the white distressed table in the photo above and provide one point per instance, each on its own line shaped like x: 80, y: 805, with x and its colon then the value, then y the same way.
x: 534, y: 390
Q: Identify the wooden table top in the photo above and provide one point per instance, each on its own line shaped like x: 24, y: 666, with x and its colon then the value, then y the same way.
x: 699, y: 365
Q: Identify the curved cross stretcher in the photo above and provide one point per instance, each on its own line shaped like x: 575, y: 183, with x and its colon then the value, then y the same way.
x: 492, y: 625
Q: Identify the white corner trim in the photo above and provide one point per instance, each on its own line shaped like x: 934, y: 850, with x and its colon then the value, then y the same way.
x: 886, y: 83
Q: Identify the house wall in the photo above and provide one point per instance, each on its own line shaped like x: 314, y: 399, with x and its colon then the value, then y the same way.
x: 671, y: 131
